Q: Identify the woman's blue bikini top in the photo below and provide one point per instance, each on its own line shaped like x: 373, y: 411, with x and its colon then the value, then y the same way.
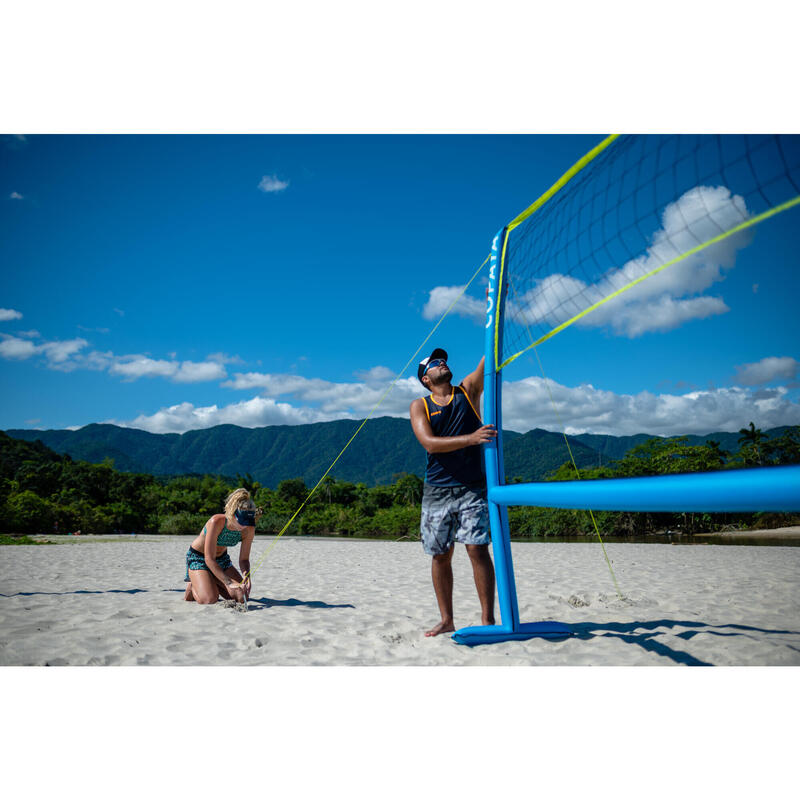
x: 227, y: 538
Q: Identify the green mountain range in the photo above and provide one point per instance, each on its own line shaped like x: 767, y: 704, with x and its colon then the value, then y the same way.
x: 385, y: 447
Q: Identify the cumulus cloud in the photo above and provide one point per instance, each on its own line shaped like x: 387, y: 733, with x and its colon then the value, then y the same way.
x: 586, y: 409
x: 66, y: 356
x: 133, y: 367
x: 61, y: 350
x: 271, y: 184
x: 254, y: 413
x: 767, y: 370
x: 333, y: 400
x: 15, y: 196
x: 196, y: 372
x: 376, y: 375
x: 440, y: 298
x: 56, y: 353
x: 662, y: 302
x: 526, y: 405
x: 7, y: 314
x: 12, y: 347
x: 96, y: 360
x: 224, y: 358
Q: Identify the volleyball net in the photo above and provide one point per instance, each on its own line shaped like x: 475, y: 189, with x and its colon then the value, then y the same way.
x: 635, y: 231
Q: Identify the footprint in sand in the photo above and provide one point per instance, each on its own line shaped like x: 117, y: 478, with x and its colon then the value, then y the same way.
x: 578, y: 600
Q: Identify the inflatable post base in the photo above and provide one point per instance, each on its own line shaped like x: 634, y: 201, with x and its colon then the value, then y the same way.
x: 489, y: 634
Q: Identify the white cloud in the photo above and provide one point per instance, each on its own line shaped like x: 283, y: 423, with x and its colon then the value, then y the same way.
x: 440, y: 298
x: 133, y: 367
x: 376, y: 375
x: 767, y: 370
x: 12, y: 347
x: 334, y: 400
x: 587, y: 409
x: 255, y: 413
x: 195, y: 372
x: 57, y: 353
x: 15, y: 196
x: 666, y: 313
x: 66, y: 356
x: 272, y: 385
x: 661, y: 302
x: 97, y: 360
x: 527, y: 405
x: 272, y: 184
x: 7, y: 314
x: 224, y: 358
x: 60, y: 351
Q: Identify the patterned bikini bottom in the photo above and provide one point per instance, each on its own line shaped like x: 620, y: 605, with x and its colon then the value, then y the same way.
x: 196, y: 560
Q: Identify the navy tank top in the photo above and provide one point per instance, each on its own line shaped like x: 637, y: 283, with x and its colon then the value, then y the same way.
x: 462, y: 467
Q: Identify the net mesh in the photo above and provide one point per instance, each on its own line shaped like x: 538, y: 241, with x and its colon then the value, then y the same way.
x: 640, y: 232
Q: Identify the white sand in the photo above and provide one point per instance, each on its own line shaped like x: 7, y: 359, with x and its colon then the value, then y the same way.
x: 95, y: 601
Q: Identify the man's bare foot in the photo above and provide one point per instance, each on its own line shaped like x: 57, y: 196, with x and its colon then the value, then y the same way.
x: 442, y: 627
x: 487, y: 620
x: 189, y: 595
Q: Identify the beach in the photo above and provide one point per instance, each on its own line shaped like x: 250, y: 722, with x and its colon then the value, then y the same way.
x: 335, y: 602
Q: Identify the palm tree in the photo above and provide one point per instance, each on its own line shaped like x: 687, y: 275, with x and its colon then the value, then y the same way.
x: 327, y: 484
x: 751, y: 438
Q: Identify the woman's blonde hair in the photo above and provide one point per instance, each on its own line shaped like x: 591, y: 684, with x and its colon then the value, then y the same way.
x: 240, y: 498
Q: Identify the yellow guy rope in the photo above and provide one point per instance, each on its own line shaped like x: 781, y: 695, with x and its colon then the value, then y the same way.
x: 578, y: 473
x: 369, y: 416
x: 572, y: 458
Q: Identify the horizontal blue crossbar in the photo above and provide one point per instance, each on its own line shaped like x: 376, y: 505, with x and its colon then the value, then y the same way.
x: 761, y: 489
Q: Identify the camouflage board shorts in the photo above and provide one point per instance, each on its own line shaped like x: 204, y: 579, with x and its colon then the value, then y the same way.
x: 453, y: 514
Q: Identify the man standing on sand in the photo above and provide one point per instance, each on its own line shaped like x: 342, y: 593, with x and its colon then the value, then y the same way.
x: 454, y: 508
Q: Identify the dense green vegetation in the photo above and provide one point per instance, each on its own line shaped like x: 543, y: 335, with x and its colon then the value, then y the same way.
x: 663, y: 457
x: 44, y: 492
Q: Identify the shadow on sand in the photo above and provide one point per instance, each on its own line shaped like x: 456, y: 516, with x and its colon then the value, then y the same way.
x: 260, y: 603
x: 644, y: 635
x: 256, y: 603
x: 78, y: 591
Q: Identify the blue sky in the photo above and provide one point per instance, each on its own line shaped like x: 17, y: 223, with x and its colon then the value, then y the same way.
x: 174, y: 282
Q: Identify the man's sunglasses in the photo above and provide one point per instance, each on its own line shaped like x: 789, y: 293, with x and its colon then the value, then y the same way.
x: 437, y: 362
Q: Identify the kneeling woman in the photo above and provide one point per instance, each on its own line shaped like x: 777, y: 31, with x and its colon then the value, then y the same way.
x: 208, y: 566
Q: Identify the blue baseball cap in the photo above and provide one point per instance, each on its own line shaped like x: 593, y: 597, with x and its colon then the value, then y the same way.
x: 245, y: 516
